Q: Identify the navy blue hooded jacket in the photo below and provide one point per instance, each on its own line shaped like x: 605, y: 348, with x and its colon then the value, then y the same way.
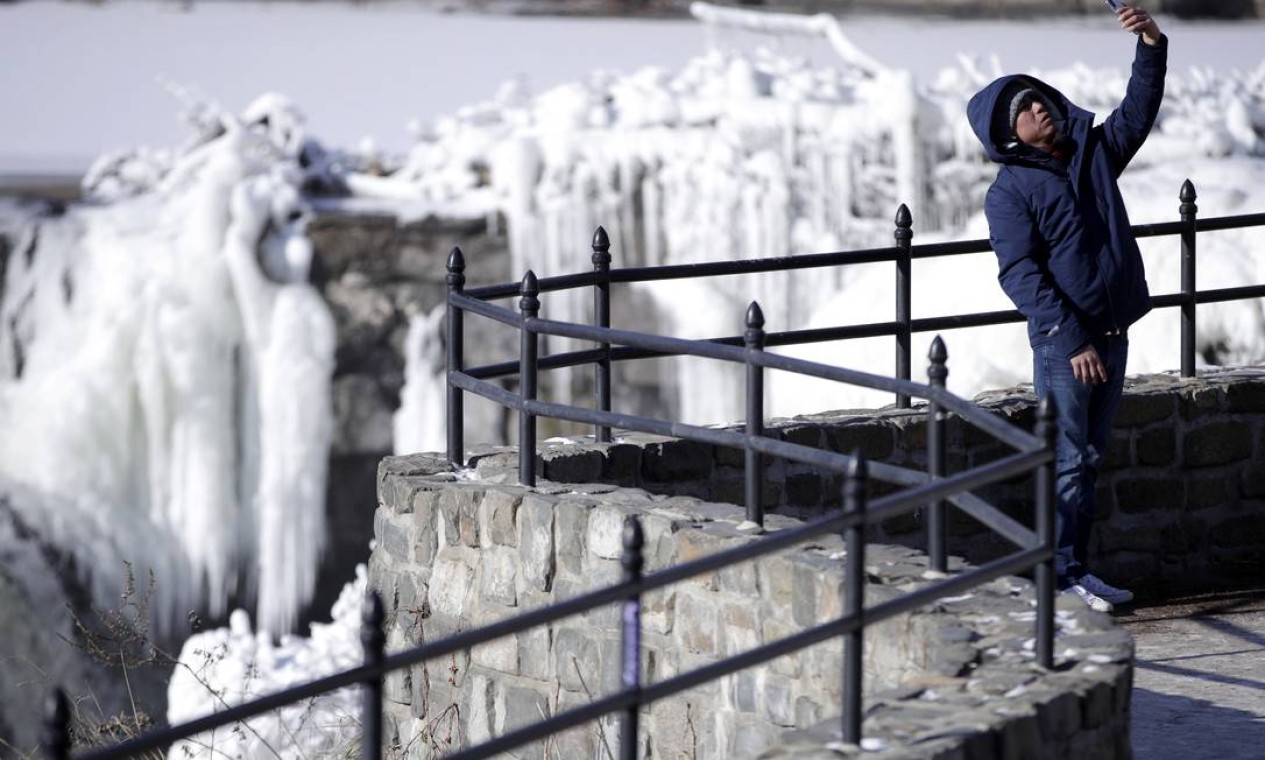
x: 1065, y: 252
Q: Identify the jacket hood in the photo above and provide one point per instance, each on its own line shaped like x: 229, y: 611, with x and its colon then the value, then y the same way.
x: 1004, y: 148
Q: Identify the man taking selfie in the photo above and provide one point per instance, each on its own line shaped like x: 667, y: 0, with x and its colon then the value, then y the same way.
x: 1069, y: 261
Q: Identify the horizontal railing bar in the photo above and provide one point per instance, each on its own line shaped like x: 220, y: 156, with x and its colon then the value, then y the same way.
x: 1008, y: 527
x: 1007, y: 433
x: 1230, y: 294
x: 833, y: 258
x: 491, y: 311
x: 752, y: 266
x: 960, y: 321
x: 490, y: 391
x: 998, y: 568
x: 1239, y: 221
x: 950, y: 248
x: 545, y: 284
x: 709, y: 349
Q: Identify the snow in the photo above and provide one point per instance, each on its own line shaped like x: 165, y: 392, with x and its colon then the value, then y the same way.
x: 164, y: 367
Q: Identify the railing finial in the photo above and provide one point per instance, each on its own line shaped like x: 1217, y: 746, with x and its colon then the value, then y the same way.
x: 529, y: 289
x: 601, y: 243
x: 904, y: 222
x: 456, y: 265
x: 755, y: 316
x: 1187, y: 193
x: 938, y: 371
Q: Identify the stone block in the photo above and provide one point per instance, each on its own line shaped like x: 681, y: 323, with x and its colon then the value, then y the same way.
x: 534, y: 653
x: 524, y: 706
x: 1217, y: 443
x: 675, y: 725
x: 811, y: 435
x: 1141, y: 409
x: 581, y: 742
x: 696, y: 624
x: 1097, y: 708
x: 622, y: 464
x: 1156, y: 447
x: 1252, y: 482
x: 1243, y: 530
x: 740, y: 628
x: 500, y: 516
x: 576, y: 660
x: 1146, y: 495
x: 1245, y: 397
x: 395, y: 536
x: 450, y: 585
x: 498, y: 576
x: 658, y: 611
x: 1208, y: 492
x: 1138, y: 536
x: 1199, y: 401
x: 571, y: 525
x: 875, y: 440
x: 535, y: 541
x: 426, y: 534
x: 500, y: 655
x: 804, y: 490
x: 478, y: 703
x: 676, y: 461
x: 776, y: 701
x: 1118, y: 451
x: 572, y: 463
x: 459, y: 514
x: 605, y: 531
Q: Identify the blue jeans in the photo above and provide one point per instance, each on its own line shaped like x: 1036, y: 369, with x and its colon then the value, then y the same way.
x: 1085, y: 414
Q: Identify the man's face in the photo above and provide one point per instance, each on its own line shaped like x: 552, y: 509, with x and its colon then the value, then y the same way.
x: 1035, y: 126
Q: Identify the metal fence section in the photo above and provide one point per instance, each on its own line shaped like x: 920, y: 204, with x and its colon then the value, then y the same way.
x: 932, y: 490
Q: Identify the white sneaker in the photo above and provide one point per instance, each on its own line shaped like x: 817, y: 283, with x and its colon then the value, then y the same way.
x: 1095, y: 602
x: 1098, y: 587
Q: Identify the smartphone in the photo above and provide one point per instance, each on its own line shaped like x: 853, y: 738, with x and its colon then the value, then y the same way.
x: 1115, y: 5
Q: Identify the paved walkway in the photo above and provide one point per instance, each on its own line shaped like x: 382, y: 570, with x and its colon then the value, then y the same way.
x: 1199, y: 687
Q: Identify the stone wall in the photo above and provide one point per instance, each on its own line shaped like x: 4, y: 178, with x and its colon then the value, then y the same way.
x: 955, y: 679
x: 1181, y: 494
x: 1181, y: 503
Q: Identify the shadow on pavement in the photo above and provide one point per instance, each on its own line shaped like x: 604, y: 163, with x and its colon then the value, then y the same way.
x: 1169, y: 727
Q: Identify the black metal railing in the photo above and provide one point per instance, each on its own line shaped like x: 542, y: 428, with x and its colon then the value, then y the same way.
x: 1034, y: 452
x: 931, y: 490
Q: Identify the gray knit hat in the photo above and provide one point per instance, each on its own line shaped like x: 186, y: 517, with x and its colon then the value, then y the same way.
x: 1022, y: 100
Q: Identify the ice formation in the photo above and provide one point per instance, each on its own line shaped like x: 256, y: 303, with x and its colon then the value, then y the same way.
x: 161, y: 387
x: 747, y: 153
x: 229, y: 666
x: 164, y: 367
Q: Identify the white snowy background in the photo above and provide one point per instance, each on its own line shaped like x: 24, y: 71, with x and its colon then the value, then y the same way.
x: 131, y: 432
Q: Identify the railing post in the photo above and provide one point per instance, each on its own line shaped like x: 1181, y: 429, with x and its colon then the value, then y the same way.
x: 1188, y: 212
x: 1047, y: 430
x: 602, y: 318
x: 529, y: 304
x: 854, y: 596
x: 937, y: 373
x: 456, y: 358
x: 373, y: 641
x: 754, y: 339
x: 57, y: 726
x: 633, y: 561
x: 904, y: 297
